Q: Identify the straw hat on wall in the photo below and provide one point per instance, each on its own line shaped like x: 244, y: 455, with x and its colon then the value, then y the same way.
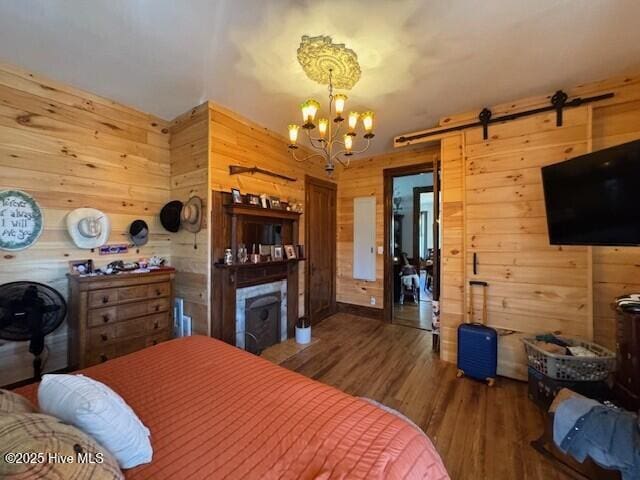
x: 191, y: 215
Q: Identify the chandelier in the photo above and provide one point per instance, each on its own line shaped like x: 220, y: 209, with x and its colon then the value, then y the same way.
x: 336, y: 66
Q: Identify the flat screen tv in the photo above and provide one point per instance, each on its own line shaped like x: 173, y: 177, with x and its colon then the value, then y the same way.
x: 594, y: 199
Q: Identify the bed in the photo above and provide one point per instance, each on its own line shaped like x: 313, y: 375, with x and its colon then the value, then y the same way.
x: 215, y: 411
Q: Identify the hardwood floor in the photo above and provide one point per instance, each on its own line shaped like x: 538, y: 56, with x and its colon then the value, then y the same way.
x: 480, y: 432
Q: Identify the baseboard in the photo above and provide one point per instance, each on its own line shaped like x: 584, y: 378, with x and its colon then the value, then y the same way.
x: 360, y: 310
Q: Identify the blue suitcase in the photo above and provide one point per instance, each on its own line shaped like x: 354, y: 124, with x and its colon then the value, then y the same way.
x: 478, y: 344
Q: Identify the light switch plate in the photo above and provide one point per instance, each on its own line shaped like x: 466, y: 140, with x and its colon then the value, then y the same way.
x: 380, y: 250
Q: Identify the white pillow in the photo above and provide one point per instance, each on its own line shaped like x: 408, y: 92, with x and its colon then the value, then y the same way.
x: 100, y: 412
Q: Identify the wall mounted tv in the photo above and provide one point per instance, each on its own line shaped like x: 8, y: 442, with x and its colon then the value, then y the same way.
x: 594, y: 199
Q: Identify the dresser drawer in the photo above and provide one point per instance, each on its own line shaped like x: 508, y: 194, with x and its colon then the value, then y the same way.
x: 107, y: 352
x: 137, y: 292
x: 118, y: 331
x: 102, y: 316
x: 159, y: 305
x: 108, y: 315
x: 158, y: 322
x: 157, y: 290
x: 102, y: 298
x: 157, y: 338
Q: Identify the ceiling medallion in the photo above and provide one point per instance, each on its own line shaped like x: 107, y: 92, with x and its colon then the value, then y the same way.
x: 320, y: 57
x: 336, y: 66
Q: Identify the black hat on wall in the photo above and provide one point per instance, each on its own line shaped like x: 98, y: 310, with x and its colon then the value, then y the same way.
x: 139, y: 232
x: 170, y: 215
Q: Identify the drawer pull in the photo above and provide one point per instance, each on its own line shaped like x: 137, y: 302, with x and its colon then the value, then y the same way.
x: 158, y: 292
x: 155, y: 325
x: 155, y: 342
x: 104, y: 337
x: 157, y: 308
x: 105, y: 318
x: 105, y: 299
x: 103, y: 358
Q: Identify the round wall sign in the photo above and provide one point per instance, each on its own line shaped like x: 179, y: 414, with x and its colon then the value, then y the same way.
x: 20, y: 220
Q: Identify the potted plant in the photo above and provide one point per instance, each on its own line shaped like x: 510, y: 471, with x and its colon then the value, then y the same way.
x: 303, y: 331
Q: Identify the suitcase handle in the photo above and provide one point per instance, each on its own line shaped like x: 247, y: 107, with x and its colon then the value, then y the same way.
x: 484, y: 286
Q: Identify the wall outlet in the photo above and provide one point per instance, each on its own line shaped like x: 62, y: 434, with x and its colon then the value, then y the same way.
x: 372, y: 300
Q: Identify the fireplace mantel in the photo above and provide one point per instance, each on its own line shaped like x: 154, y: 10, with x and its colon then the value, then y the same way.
x: 229, y: 219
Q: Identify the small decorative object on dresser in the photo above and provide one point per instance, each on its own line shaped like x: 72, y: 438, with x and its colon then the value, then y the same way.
x: 80, y: 267
x: 236, y: 195
x: 290, y: 252
x: 112, y: 315
x: 253, y: 200
x: 264, y: 201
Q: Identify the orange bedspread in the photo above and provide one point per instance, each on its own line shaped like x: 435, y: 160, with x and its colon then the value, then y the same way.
x: 217, y: 412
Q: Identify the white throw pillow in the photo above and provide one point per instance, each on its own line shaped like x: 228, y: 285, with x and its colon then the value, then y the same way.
x: 100, y: 412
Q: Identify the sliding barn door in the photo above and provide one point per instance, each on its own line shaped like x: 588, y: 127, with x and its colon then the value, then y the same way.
x: 533, y: 286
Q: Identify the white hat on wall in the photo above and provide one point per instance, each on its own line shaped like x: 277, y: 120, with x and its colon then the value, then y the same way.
x: 88, y: 227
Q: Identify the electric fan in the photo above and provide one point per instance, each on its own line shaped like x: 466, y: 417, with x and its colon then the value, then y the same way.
x: 30, y: 311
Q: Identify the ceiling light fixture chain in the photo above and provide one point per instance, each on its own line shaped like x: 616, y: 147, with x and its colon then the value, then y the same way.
x: 321, y: 59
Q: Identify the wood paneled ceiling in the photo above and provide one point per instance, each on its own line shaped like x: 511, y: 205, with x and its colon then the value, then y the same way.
x: 421, y: 60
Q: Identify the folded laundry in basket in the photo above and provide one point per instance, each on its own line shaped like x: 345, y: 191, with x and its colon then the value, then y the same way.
x: 581, y: 352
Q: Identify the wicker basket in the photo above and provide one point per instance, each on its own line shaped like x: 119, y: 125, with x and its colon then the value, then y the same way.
x: 567, y: 367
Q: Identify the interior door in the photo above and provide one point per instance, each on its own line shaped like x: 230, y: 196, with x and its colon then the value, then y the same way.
x: 320, y: 239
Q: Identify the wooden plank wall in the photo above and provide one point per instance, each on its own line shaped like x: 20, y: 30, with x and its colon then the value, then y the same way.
x: 235, y: 140
x: 68, y: 149
x: 534, y: 286
x: 452, y: 294
x: 364, y: 177
x: 190, y: 252
x: 616, y: 270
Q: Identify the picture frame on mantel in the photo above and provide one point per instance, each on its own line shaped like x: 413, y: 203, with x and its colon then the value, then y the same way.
x: 290, y: 252
x: 236, y: 196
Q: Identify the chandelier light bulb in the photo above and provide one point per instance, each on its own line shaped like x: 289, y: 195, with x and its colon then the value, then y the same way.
x: 323, y: 123
x: 339, y: 100
x: 353, y: 122
x: 367, y: 123
x: 348, y: 143
x: 309, y: 110
x: 293, y: 135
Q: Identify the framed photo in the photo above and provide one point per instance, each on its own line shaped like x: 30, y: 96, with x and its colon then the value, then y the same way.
x: 276, y: 253
x: 81, y: 267
x: 290, y: 251
x: 264, y: 201
x: 236, y: 195
x: 253, y: 200
x: 275, y: 202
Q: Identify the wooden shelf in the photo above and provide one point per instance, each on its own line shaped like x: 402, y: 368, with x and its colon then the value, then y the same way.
x: 254, y: 211
x: 257, y: 265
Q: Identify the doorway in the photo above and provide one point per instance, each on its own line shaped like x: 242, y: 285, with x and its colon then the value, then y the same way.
x: 411, y: 245
x: 320, y: 243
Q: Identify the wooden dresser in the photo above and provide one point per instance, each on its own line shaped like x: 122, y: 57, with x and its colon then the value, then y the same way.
x: 627, y: 384
x: 113, y: 315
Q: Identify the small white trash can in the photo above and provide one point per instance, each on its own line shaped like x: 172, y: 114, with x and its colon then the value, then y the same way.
x: 303, y: 335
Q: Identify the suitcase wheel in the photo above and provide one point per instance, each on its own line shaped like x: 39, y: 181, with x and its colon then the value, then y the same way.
x: 491, y: 382
x: 460, y: 374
